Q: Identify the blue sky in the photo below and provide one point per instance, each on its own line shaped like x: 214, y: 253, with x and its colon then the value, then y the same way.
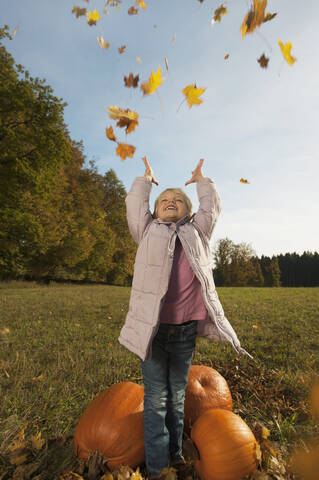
x: 259, y: 124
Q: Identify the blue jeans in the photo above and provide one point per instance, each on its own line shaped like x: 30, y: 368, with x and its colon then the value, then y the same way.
x: 165, y: 379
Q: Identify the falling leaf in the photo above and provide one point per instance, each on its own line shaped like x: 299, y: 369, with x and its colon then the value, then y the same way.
x: 122, y: 48
x: 141, y: 4
x: 79, y: 12
x: 113, y: 3
x: 124, y: 150
x: 116, y: 113
x: 131, y: 81
x: 166, y: 63
x: 192, y: 93
x: 226, y: 56
x: 153, y: 82
x: 269, y: 16
x: 138, y: 59
x: 132, y: 11
x: 263, y: 61
x: 92, y: 17
x: 128, y: 124
x: 254, y: 18
x: 110, y: 134
x: 221, y: 10
x: 102, y: 43
x: 242, y: 180
x: 285, y: 50
x: 15, y: 30
x: 37, y: 442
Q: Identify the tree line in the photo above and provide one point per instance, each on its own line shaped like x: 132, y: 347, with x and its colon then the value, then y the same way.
x: 61, y: 220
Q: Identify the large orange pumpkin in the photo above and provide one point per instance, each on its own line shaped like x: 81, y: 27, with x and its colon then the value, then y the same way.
x: 113, y: 425
x: 226, y: 445
x: 206, y: 389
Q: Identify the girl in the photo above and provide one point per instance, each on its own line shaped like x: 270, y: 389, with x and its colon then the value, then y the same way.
x: 173, y: 300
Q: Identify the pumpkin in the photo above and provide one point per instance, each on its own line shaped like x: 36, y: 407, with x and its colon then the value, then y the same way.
x: 227, y: 447
x: 206, y: 389
x: 113, y: 425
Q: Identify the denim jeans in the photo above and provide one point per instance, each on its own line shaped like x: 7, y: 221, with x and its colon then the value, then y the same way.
x: 165, y: 379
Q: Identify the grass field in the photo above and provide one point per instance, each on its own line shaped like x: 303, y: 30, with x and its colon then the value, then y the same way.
x: 59, y: 349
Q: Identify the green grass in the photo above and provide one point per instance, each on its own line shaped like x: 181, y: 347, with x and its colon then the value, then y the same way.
x: 67, y: 336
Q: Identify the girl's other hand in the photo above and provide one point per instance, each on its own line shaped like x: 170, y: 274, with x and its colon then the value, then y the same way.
x: 197, y: 173
x: 149, y: 171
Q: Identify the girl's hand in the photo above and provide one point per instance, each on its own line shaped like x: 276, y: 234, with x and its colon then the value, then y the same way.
x: 197, y: 173
x: 149, y: 172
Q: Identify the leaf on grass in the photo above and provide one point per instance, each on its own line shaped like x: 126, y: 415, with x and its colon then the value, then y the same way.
x: 192, y: 93
x: 169, y: 473
x: 131, y: 81
x: 92, y: 17
x: 242, y: 180
x: 37, y: 442
x: 70, y: 476
x: 124, y: 150
x: 263, y: 61
x: 102, y: 43
x: 166, y: 63
x: 136, y: 475
x: 221, y: 10
x: 141, y: 4
x: 5, y: 331
x: 153, y: 82
x: 254, y: 18
x: 285, y: 50
x: 116, y: 113
x: 122, y: 48
x: 79, y: 12
x: 38, y: 378
x: 132, y: 11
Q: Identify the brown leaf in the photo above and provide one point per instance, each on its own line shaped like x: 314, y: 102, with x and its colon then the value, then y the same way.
x: 124, y: 150
x: 269, y: 16
x: 254, y: 18
x: 79, y: 12
x: 24, y: 472
x: 128, y: 124
x: 226, y: 56
x: 110, y: 134
x: 263, y: 61
x: 122, y: 48
x: 132, y: 11
x: 166, y: 63
x: 131, y: 81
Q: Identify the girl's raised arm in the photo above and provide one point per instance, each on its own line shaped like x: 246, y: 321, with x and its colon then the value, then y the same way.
x: 149, y: 171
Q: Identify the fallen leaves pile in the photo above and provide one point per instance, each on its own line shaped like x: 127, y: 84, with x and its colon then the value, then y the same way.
x: 254, y: 19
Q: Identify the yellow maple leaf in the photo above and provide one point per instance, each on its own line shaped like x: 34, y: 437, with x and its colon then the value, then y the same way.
x: 285, y: 50
x: 138, y: 59
x: 92, y: 17
x: 221, y: 10
x: 141, y: 4
x: 124, y: 150
x: 242, y: 180
x: 116, y: 113
x: 192, y: 93
x: 254, y: 18
x: 102, y: 43
x: 153, y: 82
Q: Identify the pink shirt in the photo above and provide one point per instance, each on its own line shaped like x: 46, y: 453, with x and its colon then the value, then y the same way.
x: 183, y: 300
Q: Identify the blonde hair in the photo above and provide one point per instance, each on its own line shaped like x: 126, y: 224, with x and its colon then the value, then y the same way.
x: 175, y: 190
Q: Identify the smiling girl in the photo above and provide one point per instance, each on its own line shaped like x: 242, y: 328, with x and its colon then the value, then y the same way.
x: 173, y: 301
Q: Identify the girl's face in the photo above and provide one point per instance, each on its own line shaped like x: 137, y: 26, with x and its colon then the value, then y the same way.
x: 171, y: 207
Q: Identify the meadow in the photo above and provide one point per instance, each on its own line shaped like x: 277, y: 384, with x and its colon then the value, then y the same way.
x: 59, y: 349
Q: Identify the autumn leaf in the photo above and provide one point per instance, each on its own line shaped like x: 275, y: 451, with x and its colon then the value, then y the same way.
x: 192, y: 93
x: 124, y: 150
x: 153, y: 82
x: 128, y: 124
x: 269, y: 16
x: 138, y: 59
x: 79, y: 12
x: 37, y: 442
x: 131, y: 81
x: 141, y: 4
x: 116, y: 113
x: 110, y: 134
x: 92, y: 17
x: 102, y: 43
x: 122, y: 48
x: 226, y: 56
x: 132, y: 11
x: 221, y: 10
x: 242, y: 180
x: 285, y: 50
x: 15, y: 30
x: 166, y: 63
x: 254, y: 18
x: 263, y: 61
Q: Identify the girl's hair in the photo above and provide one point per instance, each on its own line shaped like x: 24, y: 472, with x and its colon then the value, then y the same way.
x: 183, y: 194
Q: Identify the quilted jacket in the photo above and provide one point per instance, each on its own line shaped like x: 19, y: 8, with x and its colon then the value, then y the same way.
x: 153, y: 264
